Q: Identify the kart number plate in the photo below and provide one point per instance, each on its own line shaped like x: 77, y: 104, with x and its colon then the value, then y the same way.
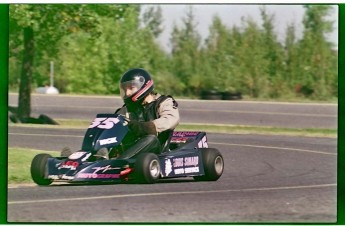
x: 104, y: 123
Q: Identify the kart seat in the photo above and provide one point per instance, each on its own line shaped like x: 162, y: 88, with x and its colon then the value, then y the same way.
x: 164, y: 139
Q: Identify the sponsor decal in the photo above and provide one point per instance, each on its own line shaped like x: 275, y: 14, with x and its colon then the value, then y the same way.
x: 186, y: 165
x: 99, y: 173
x: 108, y: 141
x: 72, y: 165
x: 191, y: 170
x: 168, y: 167
x: 179, y: 139
x: 67, y: 177
x: 104, y: 169
x: 185, y: 134
x: 191, y: 161
x: 186, y: 161
x: 186, y: 170
x: 179, y: 171
x: 58, y: 177
x: 76, y: 155
x: 203, y: 143
x: 97, y: 176
x: 86, y: 157
x: 178, y: 162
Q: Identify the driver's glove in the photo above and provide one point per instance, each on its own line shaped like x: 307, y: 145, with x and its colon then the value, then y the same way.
x: 142, y: 128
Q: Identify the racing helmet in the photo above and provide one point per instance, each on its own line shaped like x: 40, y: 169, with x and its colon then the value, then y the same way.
x: 135, y: 85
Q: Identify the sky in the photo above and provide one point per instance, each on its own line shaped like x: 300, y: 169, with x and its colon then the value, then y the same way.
x: 231, y: 14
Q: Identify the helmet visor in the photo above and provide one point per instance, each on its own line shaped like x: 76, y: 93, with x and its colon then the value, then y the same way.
x: 129, y: 88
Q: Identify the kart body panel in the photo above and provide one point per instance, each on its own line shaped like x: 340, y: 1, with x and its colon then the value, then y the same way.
x: 182, y: 159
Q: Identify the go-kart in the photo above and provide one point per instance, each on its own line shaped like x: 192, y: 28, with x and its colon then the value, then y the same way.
x: 183, y: 154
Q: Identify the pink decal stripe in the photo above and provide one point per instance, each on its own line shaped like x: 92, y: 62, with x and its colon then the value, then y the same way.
x: 147, y: 86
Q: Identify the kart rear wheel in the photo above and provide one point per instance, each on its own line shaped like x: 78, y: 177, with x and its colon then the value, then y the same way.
x: 147, y: 168
x: 39, y: 169
x: 213, y: 164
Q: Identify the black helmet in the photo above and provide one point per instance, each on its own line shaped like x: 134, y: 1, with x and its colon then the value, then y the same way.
x: 135, y: 85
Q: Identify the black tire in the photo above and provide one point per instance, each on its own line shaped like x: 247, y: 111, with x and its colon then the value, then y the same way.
x: 213, y: 164
x: 232, y: 96
x: 211, y: 95
x: 147, y: 168
x: 39, y: 169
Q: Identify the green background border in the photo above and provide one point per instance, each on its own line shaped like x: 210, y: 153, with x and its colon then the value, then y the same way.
x: 341, y: 120
x: 4, y: 123
x: 3, y: 110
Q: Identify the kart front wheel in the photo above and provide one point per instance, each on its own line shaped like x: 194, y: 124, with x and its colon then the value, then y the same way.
x: 147, y: 168
x: 213, y: 165
x: 39, y: 169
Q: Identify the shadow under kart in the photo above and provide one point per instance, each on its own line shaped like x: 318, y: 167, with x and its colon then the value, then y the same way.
x: 183, y: 154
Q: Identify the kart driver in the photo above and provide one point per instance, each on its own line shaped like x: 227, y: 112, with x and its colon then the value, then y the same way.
x: 152, y: 116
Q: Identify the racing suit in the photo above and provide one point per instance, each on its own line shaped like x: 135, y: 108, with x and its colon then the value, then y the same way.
x: 163, y: 116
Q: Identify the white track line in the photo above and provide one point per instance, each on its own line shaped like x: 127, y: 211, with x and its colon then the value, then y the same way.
x: 280, y: 148
x: 44, y: 135
x: 172, y: 193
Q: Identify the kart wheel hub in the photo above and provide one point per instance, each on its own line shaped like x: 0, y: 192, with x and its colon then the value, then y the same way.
x: 218, y: 164
x: 154, y: 168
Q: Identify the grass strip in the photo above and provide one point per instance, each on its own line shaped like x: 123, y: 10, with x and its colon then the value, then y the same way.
x: 262, y: 130
x: 19, y: 162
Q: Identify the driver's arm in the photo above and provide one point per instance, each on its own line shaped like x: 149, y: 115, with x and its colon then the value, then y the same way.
x: 169, y: 116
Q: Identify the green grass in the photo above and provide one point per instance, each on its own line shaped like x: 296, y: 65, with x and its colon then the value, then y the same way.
x: 19, y: 161
x: 235, y: 129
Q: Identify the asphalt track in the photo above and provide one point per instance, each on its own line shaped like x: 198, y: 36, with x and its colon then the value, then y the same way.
x: 288, y: 115
x: 266, y: 179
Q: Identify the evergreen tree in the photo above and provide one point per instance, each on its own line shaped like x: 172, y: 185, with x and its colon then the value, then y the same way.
x: 153, y: 19
x: 186, y: 53
x: 219, y: 58
x: 251, y: 62
x: 273, y: 54
x: 316, y: 56
x: 291, y: 72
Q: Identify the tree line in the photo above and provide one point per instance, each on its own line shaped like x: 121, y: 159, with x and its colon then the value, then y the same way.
x: 92, y: 45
